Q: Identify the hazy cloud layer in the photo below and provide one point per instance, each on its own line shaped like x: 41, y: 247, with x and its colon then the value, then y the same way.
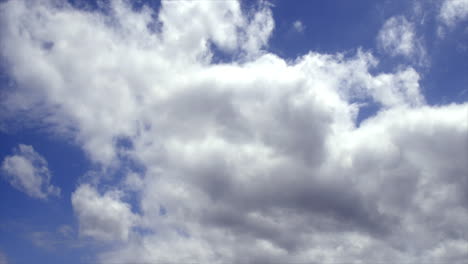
x: 27, y: 171
x: 257, y: 160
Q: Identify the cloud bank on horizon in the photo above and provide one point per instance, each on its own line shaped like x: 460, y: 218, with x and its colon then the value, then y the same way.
x: 256, y: 159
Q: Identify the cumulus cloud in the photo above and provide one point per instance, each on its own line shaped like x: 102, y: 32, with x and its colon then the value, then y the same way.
x: 453, y: 11
x: 397, y: 37
x: 27, y: 171
x: 103, y: 217
x: 257, y: 160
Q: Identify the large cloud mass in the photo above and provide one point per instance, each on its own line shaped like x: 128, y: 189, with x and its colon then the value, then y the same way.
x: 255, y: 160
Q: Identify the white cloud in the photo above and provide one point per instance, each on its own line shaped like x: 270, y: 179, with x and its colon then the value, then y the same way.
x: 298, y: 26
x: 103, y: 217
x: 397, y: 37
x: 257, y: 160
x: 27, y: 171
x: 453, y: 11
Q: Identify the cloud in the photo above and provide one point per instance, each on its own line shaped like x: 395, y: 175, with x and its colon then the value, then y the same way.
x: 255, y: 160
x: 63, y: 237
x: 453, y: 11
x: 103, y: 217
x: 397, y: 37
x: 27, y: 171
x: 298, y: 26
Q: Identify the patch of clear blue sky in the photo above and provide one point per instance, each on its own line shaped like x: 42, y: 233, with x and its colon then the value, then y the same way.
x: 330, y: 26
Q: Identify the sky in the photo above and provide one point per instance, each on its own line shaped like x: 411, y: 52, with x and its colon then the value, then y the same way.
x: 192, y: 131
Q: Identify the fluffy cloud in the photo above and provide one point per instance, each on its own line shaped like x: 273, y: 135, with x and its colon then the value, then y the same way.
x: 103, y: 217
x: 27, y: 171
x: 256, y: 160
x: 397, y: 37
x: 453, y: 11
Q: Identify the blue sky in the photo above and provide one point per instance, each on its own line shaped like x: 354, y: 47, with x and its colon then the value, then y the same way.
x: 233, y: 132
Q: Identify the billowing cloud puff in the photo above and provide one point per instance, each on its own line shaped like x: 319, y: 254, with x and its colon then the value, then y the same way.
x: 254, y: 160
x: 27, y: 171
x: 104, y: 217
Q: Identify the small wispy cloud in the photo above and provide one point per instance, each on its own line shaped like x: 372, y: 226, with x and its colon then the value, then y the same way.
x: 397, y: 37
x: 27, y: 171
x: 298, y: 26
